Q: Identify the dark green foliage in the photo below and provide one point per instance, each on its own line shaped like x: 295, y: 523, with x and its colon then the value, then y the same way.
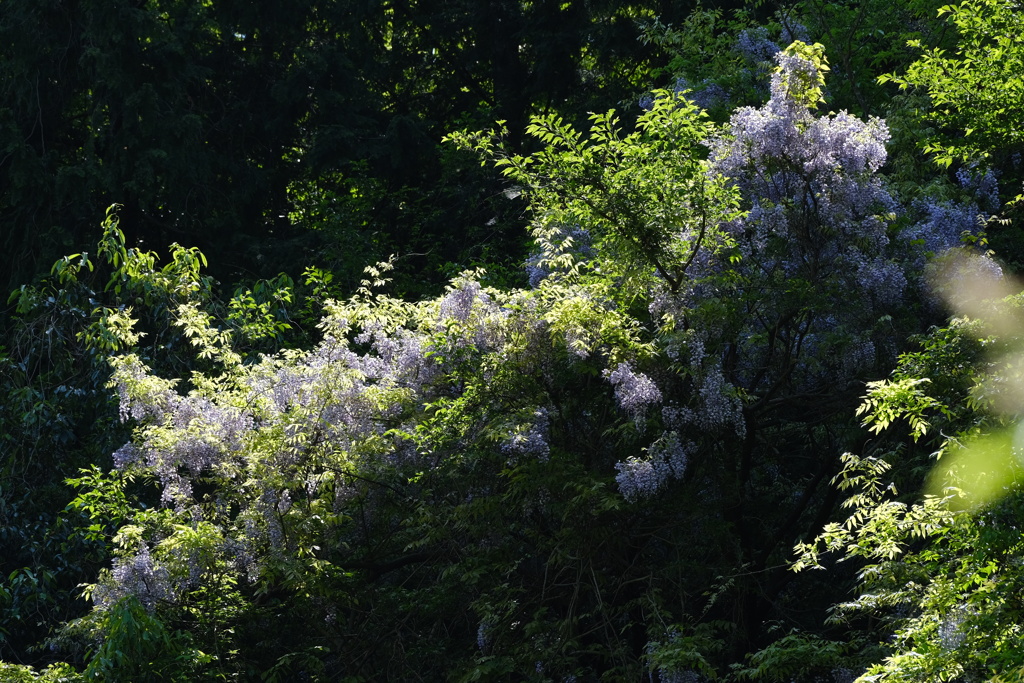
x: 138, y: 647
x: 865, y: 39
x: 213, y: 123
x: 964, y: 93
x: 976, y: 89
x: 59, y: 417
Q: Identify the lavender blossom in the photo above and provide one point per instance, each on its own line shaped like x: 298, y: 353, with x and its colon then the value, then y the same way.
x: 142, y: 397
x: 643, y: 477
x: 268, y: 506
x: 963, y: 276
x: 127, y: 455
x: 634, y: 390
x: 951, y: 628
x: 794, y: 30
x: 858, y: 356
x: 718, y: 406
x: 195, y: 435
x: 754, y: 45
x: 670, y: 673
x: 483, y: 635
x: 557, y: 241
x: 137, y: 576
x: 706, y: 95
x: 983, y: 184
x: 674, y: 676
x: 458, y: 303
x: 944, y: 224
x: 818, y: 213
x: 530, y: 440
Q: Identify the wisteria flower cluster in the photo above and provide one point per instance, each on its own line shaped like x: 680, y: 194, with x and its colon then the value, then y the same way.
x: 136, y: 575
x: 650, y: 341
x: 755, y: 45
x: 983, y: 184
x: 945, y: 224
x: 530, y: 440
x: 642, y: 477
x: 634, y: 391
x: 267, y: 457
x: 706, y: 95
x: 818, y: 214
x: 242, y: 452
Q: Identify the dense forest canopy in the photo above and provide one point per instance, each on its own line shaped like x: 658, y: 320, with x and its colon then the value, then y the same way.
x: 508, y: 340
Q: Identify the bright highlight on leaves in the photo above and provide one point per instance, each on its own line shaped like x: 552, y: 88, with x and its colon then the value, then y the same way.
x: 982, y: 470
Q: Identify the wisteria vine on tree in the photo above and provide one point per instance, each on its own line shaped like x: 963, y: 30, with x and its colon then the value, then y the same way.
x: 693, y: 288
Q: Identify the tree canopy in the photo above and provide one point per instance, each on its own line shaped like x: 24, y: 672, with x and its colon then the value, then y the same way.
x: 741, y: 401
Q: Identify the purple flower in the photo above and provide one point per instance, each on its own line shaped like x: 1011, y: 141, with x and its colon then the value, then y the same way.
x: 558, y: 240
x: 458, y: 303
x: 634, y: 390
x: 819, y: 214
x: 718, y: 405
x: 754, y: 45
x: 983, y: 184
x: 136, y: 576
x: 943, y: 224
x: 127, y: 455
x: 483, y: 635
x: 794, y: 30
x: 706, y: 95
x: 530, y: 440
x: 643, y: 477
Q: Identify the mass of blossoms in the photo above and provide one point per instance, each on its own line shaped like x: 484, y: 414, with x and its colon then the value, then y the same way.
x: 675, y: 317
x: 255, y: 449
